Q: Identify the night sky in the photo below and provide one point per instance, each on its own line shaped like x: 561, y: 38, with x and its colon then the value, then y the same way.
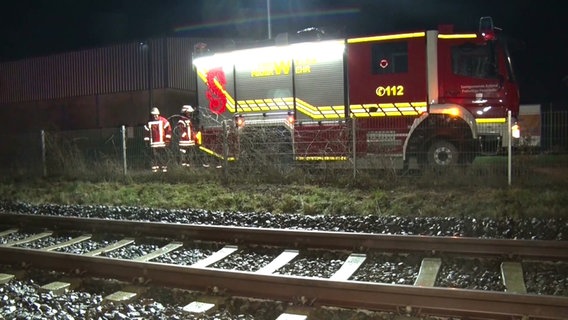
x: 42, y: 27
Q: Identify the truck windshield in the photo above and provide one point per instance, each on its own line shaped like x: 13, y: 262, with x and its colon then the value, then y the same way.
x: 510, y: 65
x: 474, y: 60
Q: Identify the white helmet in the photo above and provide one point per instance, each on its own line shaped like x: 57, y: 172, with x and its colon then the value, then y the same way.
x: 155, y: 111
x: 186, y: 108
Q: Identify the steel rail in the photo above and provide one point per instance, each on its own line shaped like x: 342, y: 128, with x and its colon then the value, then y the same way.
x: 314, y: 291
x: 358, y: 242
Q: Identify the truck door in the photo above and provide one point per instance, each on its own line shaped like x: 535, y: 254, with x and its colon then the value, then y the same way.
x: 387, y: 89
x: 471, y: 75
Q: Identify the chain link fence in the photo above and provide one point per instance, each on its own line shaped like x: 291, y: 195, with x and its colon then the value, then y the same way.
x: 261, y: 154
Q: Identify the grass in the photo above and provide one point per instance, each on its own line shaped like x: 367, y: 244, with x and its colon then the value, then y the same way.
x: 402, y: 199
x: 539, y: 188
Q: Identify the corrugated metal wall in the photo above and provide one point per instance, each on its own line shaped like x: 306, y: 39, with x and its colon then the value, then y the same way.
x: 118, y: 68
x: 179, y: 63
x: 98, y: 88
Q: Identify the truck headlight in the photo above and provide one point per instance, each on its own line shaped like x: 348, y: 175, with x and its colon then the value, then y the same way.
x: 516, y: 131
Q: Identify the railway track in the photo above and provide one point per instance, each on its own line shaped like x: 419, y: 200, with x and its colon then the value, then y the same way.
x: 338, y: 286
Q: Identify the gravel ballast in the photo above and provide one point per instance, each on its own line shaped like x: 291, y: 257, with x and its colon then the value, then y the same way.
x: 500, y: 228
x: 22, y: 300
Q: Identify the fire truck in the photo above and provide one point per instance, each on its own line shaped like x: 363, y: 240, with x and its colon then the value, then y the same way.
x: 432, y: 98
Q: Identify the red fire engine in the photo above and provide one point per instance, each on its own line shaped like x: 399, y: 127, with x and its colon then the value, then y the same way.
x: 435, y: 98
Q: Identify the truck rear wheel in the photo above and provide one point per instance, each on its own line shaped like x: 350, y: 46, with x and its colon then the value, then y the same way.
x: 442, y: 154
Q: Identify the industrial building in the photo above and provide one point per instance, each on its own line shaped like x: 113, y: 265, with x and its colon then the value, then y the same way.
x: 97, y: 88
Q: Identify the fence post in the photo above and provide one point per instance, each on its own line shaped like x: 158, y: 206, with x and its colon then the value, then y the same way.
x: 225, y: 151
x: 43, y: 154
x: 123, y: 134
x: 509, y: 148
x: 354, y: 148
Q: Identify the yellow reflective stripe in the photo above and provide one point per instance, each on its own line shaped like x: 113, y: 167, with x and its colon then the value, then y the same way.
x: 333, y: 112
x: 246, y: 108
x: 330, y: 108
x: 458, y: 36
x: 490, y: 120
x: 387, y: 37
x: 389, y: 109
x: 403, y: 105
x: 321, y: 158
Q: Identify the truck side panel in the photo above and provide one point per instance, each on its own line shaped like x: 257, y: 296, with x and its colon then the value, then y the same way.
x: 387, y: 85
x: 304, y: 80
x: 388, y: 71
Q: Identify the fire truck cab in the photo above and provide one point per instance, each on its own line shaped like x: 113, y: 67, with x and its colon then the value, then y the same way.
x: 427, y: 98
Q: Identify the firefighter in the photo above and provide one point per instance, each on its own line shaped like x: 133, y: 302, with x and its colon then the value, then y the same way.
x: 159, y: 138
x: 186, y: 133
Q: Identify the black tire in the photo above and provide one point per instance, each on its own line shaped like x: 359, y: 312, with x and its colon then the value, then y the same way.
x: 442, y: 154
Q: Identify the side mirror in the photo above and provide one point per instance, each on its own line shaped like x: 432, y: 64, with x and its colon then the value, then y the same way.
x: 486, y: 24
x: 487, y: 28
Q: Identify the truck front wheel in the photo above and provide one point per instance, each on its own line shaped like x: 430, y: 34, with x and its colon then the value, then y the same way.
x: 442, y: 154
